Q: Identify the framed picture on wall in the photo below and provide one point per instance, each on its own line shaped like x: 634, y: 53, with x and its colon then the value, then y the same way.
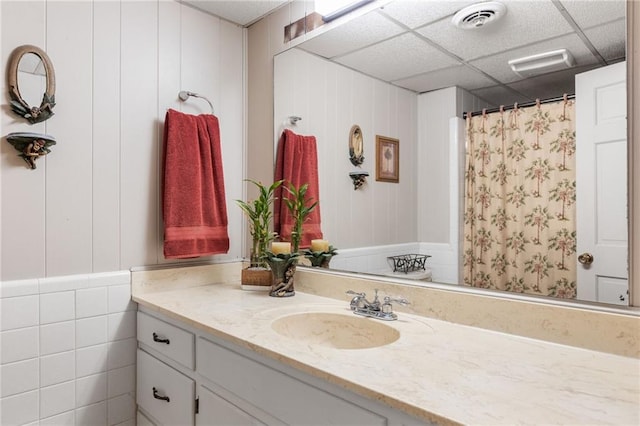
x: 387, y: 159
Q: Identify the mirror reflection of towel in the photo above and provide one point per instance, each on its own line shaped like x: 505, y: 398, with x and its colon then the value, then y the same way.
x: 193, y: 202
x: 297, y: 163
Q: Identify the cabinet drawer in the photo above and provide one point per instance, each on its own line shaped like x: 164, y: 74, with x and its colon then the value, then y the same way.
x: 167, y: 339
x: 289, y: 400
x: 164, y: 393
x: 215, y: 410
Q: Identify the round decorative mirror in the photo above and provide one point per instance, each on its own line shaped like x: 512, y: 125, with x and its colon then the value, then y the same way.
x: 356, y: 146
x: 25, y: 64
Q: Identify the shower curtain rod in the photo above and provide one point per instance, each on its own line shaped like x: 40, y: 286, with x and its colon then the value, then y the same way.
x: 523, y: 105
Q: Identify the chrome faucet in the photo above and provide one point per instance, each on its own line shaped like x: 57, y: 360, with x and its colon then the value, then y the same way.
x: 384, y: 311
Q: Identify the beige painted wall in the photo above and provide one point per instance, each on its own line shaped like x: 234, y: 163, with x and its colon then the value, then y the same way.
x: 93, y: 204
x: 265, y: 39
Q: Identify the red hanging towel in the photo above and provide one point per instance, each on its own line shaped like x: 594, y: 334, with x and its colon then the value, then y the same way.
x: 193, y: 199
x: 297, y: 163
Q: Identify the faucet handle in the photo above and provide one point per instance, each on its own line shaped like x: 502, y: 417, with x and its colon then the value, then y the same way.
x: 399, y: 300
x: 387, y: 309
x: 357, y: 301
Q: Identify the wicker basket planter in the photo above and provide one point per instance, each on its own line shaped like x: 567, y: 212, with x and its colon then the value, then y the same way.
x: 256, y: 279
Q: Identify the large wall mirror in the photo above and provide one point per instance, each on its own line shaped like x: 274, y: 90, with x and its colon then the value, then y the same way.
x: 412, y: 67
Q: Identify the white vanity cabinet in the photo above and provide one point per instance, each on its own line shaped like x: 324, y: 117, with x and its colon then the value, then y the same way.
x: 215, y: 410
x: 163, y: 392
x: 224, y: 384
x: 165, y: 385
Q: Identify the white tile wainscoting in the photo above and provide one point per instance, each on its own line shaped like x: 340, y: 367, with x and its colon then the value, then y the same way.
x: 68, y: 350
x: 371, y: 260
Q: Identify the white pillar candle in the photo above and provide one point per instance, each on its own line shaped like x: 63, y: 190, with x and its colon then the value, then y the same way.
x: 319, y: 245
x: 280, y: 248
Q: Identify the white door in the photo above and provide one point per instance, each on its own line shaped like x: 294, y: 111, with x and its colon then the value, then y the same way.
x: 601, y: 184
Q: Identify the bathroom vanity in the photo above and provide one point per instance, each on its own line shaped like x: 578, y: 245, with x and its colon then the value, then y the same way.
x: 214, y: 354
x: 206, y: 380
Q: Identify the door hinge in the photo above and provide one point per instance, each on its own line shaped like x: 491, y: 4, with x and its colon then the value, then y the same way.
x: 197, y: 405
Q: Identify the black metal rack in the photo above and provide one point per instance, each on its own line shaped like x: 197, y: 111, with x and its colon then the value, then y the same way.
x: 409, y: 262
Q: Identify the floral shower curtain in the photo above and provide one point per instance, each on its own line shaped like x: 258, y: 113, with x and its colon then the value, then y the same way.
x: 519, y: 221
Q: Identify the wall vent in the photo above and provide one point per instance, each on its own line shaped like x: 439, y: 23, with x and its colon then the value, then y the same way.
x: 541, y: 63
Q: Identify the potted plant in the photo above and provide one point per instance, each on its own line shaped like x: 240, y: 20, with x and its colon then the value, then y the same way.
x: 259, y: 214
x: 283, y: 264
x: 297, y: 206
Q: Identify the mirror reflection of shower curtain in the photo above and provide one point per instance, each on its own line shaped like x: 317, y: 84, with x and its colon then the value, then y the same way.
x: 519, y: 212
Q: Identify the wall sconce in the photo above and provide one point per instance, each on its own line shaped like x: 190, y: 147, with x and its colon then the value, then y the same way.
x: 358, y: 178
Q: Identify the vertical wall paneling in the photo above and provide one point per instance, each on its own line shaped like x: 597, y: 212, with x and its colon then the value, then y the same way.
x: 284, y: 68
x: 345, y: 193
x: 434, y: 111
x: 93, y: 204
x: 231, y: 114
x: 382, y: 216
x: 323, y: 92
x: 200, y: 71
x: 169, y: 85
x: 106, y: 136
x: 69, y: 170
x: 338, y: 181
x: 315, y: 113
x: 408, y: 130
x: 22, y: 190
x: 436, y: 108
x: 186, y: 38
x: 139, y: 138
x: 367, y: 210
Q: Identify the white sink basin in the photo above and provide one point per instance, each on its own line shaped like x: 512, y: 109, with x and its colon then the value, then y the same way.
x: 336, y: 330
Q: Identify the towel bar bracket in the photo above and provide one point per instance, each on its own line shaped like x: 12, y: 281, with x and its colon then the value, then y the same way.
x: 293, y: 119
x: 185, y: 94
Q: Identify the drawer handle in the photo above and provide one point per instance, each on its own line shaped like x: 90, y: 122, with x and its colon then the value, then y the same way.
x: 156, y: 396
x: 159, y: 340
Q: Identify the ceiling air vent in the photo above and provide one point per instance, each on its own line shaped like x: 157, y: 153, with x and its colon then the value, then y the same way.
x: 478, y: 15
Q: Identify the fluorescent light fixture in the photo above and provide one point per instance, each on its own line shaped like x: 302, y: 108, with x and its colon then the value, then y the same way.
x: 332, y: 9
x: 541, y: 63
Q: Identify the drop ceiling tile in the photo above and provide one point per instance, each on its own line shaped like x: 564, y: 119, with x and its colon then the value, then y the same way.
x: 397, y: 58
x: 524, y: 23
x: 551, y: 85
x: 416, y: 13
x: 461, y: 76
x: 594, y: 12
x: 500, y: 95
x: 609, y: 39
x: 498, y: 67
x: 352, y: 35
x: 241, y: 12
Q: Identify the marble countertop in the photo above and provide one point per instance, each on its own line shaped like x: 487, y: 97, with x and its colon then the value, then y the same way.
x: 437, y: 371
